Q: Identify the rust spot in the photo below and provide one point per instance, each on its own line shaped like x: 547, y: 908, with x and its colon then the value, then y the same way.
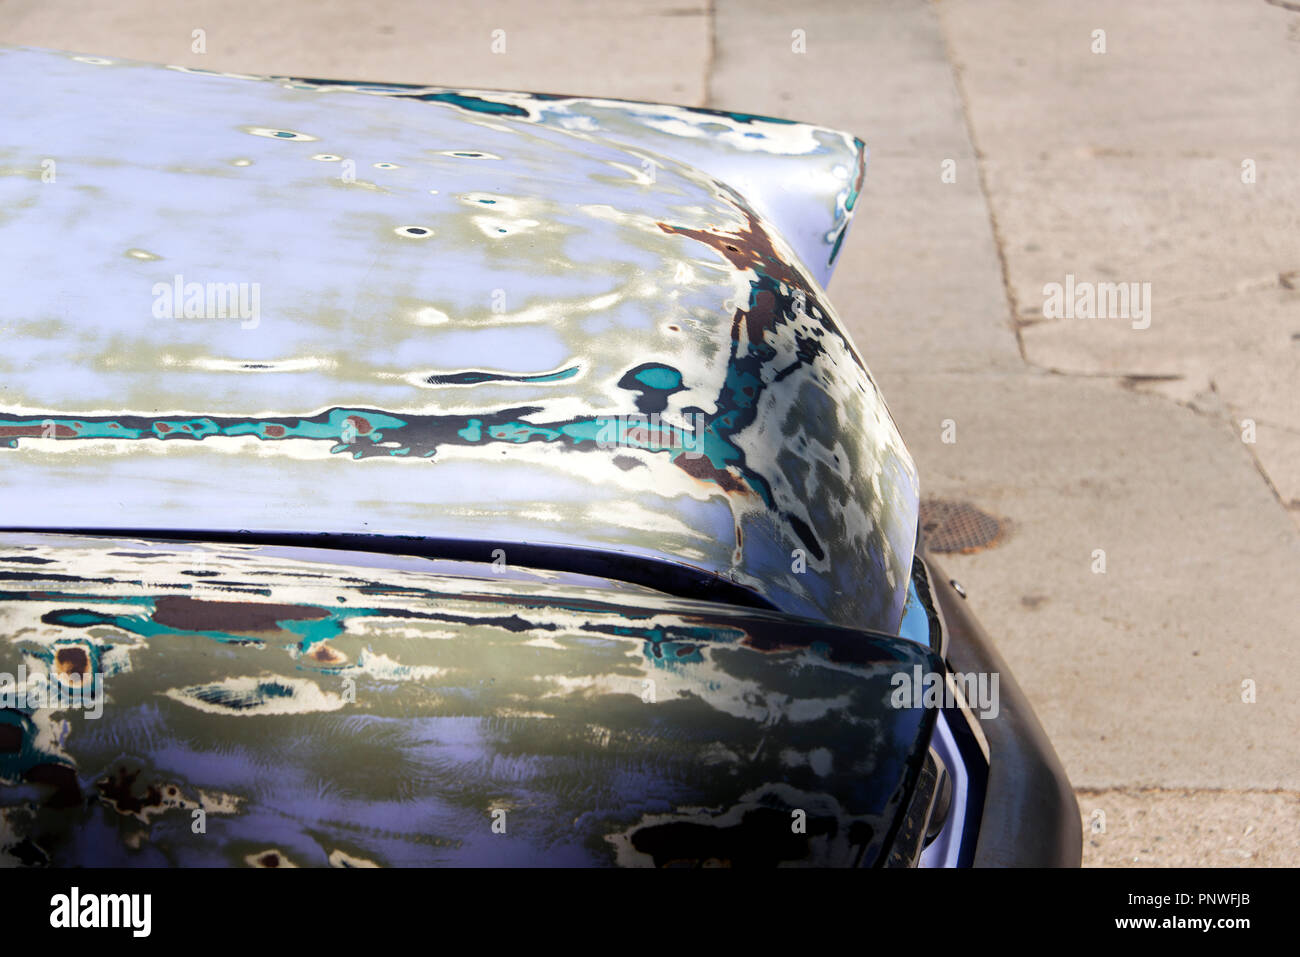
x: 862, y: 171
x: 751, y: 248
x: 196, y: 614
x: 657, y: 436
x: 701, y: 468
x: 327, y: 655
x: 744, y: 250
x: 163, y: 427
x: 361, y: 425
x: 120, y: 793
x: 72, y: 661
x: 834, y: 645
x: 35, y: 431
x: 275, y: 431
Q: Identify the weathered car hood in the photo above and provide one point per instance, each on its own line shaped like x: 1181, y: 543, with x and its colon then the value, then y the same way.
x: 291, y: 707
x: 452, y: 302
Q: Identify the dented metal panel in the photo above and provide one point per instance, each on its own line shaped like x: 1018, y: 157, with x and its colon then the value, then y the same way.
x: 809, y: 201
x: 492, y: 317
x: 310, y: 708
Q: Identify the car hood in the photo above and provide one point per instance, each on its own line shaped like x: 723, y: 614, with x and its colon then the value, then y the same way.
x: 312, y: 707
x: 285, y: 305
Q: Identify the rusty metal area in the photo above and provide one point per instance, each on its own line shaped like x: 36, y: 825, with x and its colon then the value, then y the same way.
x: 949, y: 526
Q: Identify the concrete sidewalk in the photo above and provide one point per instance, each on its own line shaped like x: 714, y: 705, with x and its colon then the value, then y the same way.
x: 1013, y: 145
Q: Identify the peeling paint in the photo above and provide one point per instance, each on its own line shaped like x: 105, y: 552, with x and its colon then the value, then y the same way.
x: 615, y: 724
x: 486, y: 330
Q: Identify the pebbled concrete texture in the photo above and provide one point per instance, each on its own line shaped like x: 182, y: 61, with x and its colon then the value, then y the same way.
x: 612, y: 48
x: 1136, y: 671
x: 1006, y: 154
x: 1171, y: 158
x: 1156, y: 828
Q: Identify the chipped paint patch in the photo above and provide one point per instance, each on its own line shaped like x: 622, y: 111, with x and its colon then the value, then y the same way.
x: 269, y: 858
x: 339, y: 858
x: 755, y: 832
x: 302, y: 364
x: 255, y: 697
x: 274, y: 134
x: 386, y: 669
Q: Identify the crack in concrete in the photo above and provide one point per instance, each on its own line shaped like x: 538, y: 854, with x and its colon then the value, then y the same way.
x: 998, y: 243
x: 711, y: 58
x: 1280, y: 280
x: 1017, y: 323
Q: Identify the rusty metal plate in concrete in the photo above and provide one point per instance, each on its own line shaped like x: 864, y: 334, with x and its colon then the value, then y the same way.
x: 949, y: 526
